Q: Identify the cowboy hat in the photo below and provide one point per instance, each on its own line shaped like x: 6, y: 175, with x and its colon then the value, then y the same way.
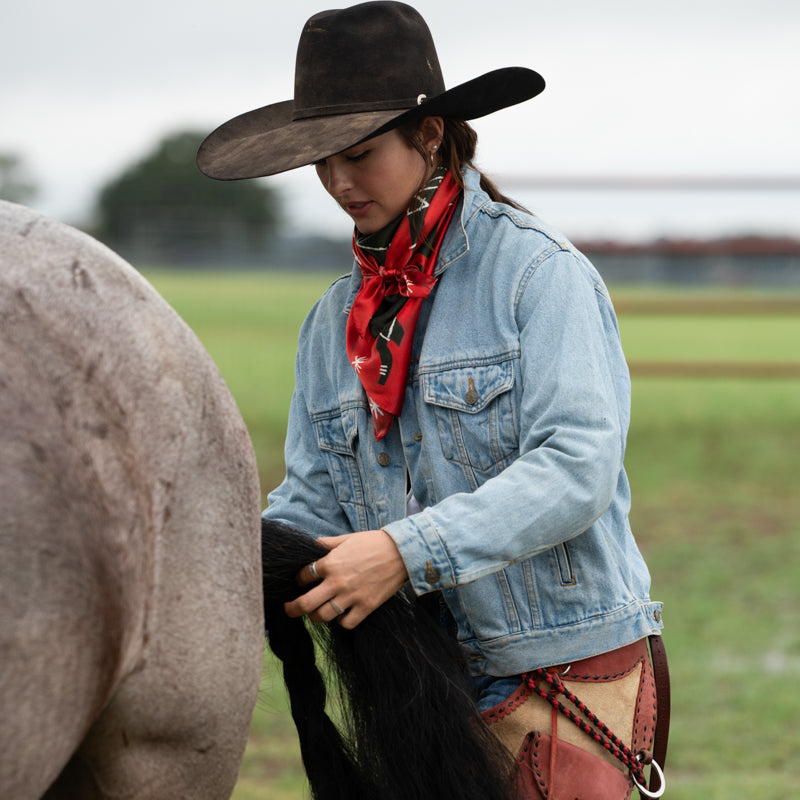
x: 360, y: 72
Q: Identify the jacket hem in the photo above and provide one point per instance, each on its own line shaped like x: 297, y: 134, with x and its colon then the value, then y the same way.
x: 529, y: 650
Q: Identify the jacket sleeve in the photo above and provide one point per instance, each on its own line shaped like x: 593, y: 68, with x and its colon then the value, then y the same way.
x: 573, y: 418
x: 305, y: 499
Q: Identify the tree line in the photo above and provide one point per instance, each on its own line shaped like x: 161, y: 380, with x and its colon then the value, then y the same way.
x: 161, y: 209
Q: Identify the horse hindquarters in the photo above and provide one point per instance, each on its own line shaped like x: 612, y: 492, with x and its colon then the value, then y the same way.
x: 177, y: 727
x: 129, y: 512
x: 177, y: 724
x: 72, y: 579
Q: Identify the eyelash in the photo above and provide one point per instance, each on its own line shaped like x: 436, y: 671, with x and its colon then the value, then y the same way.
x: 352, y: 159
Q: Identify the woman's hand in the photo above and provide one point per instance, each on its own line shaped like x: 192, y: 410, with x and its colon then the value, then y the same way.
x: 361, y: 572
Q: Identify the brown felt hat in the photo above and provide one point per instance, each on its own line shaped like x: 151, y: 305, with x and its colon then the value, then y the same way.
x: 360, y: 71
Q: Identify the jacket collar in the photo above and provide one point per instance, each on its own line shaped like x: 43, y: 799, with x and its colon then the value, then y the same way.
x: 456, y: 242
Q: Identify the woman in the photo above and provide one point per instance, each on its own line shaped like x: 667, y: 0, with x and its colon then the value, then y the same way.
x: 462, y: 401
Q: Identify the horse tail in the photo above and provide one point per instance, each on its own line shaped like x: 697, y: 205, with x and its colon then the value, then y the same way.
x: 408, y: 726
x: 329, y: 767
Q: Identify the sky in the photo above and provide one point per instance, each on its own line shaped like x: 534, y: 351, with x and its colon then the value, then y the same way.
x: 686, y: 88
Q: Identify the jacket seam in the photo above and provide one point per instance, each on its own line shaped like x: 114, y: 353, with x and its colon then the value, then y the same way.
x: 535, y: 264
x: 336, y: 411
x: 442, y: 366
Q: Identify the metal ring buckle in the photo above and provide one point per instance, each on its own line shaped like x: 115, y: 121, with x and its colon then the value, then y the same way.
x: 662, y: 786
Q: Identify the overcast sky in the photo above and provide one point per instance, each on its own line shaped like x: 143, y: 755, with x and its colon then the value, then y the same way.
x: 686, y: 87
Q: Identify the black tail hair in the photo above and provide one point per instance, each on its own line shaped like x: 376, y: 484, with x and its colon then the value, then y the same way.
x: 409, y: 729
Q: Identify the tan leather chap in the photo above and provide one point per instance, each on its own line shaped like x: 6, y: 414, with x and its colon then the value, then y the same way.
x: 618, y: 687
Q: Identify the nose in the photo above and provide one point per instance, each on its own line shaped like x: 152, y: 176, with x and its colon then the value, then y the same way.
x: 337, y: 177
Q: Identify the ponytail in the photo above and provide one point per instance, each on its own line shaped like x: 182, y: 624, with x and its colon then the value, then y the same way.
x: 457, y: 150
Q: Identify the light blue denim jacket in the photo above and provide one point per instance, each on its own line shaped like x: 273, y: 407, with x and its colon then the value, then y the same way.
x: 513, y: 433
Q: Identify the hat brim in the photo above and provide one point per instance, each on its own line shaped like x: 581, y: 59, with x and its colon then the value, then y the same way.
x: 268, y: 140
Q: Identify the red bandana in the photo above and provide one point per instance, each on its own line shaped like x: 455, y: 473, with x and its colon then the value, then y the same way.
x: 380, y: 327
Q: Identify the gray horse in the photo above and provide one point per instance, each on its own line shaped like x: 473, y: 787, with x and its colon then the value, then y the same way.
x: 131, y: 622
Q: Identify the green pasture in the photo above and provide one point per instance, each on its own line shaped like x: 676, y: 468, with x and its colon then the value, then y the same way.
x: 714, y: 468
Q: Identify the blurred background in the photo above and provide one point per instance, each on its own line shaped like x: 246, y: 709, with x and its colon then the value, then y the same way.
x: 666, y: 132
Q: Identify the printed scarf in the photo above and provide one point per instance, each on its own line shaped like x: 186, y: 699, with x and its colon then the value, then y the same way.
x: 380, y: 327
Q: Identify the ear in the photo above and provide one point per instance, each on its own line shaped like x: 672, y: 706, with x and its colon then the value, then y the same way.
x: 430, y: 131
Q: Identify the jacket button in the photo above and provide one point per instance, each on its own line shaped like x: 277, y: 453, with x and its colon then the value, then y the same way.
x: 431, y: 575
x: 471, y: 396
x: 657, y: 615
x: 384, y: 459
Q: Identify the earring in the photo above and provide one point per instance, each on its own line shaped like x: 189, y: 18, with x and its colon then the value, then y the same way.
x: 435, y: 148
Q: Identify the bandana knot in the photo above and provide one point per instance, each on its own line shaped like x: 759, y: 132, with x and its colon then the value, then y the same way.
x: 408, y: 280
x: 380, y: 327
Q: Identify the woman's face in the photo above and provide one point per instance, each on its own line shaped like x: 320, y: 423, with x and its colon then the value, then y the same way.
x: 374, y: 181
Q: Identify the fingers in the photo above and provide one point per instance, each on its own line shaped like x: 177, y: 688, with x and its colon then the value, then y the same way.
x: 360, y: 572
x: 313, y: 572
x: 310, y: 602
x: 337, y: 608
x: 332, y: 542
x: 317, y: 604
x: 353, y: 617
x: 323, y: 602
x: 309, y: 574
x: 331, y: 611
x: 328, y: 612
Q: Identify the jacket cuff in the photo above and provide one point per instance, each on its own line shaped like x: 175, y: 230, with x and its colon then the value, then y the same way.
x: 423, y: 552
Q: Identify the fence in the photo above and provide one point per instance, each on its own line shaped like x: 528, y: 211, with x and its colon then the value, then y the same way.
x: 711, y: 306
x: 737, y: 230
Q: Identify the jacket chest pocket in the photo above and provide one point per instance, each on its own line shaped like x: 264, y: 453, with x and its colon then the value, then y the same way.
x: 475, y: 414
x: 337, y: 437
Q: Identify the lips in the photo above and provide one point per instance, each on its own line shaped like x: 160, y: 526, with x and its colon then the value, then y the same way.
x: 358, y: 209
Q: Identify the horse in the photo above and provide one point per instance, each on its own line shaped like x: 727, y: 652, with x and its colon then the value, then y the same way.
x: 131, y: 615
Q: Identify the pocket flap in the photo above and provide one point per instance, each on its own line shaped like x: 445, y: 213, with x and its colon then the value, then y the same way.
x: 336, y: 431
x: 469, y: 389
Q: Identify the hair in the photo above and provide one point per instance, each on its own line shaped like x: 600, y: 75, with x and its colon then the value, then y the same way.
x: 408, y: 726
x: 457, y: 150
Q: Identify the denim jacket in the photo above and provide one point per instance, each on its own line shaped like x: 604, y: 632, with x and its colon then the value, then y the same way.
x: 512, y: 433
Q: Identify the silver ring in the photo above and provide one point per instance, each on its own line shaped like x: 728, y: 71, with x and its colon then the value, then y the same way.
x: 312, y: 568
x: 336, y: 607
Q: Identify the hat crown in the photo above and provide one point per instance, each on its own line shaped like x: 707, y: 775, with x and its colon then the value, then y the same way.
x: 370, y: 57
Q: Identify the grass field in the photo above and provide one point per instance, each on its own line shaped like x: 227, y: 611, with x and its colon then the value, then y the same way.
x: 714, y: 467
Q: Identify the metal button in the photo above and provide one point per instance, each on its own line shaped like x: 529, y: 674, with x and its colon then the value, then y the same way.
x: 471, y: 396
x: 431, y: 575
x: 384, y: 459
x: 657, y: 615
